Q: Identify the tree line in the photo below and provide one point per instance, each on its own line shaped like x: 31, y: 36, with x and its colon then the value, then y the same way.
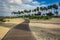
x: 44, y: 9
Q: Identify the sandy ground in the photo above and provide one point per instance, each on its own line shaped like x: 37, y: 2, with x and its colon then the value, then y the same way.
x: 52, y: 23
x: 41, y: 29
x: 46, y: 29
x: 10, y: 23
x: 20, y: 32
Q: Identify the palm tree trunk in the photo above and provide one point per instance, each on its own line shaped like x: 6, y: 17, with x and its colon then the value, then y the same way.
x: 31, y: 11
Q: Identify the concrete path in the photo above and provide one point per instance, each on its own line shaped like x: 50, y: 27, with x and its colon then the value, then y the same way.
x: 20, y: 32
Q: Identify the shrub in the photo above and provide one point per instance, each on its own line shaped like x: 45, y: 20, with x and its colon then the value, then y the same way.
x: 47, y: 17
x: 2, y: 20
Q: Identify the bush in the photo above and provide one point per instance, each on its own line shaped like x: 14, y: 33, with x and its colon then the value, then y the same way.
x: 2, y: 20
x: 47, y: 17
x: 38, y: 17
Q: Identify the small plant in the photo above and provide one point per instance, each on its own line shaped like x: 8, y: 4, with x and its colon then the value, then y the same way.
x: 47, y: 17
x: 2, y: 20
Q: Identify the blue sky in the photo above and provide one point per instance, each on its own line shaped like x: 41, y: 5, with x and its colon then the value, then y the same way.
x: 48, y: 1
x: 7, y: 6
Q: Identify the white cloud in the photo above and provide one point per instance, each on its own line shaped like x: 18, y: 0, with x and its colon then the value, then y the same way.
x: 16, y: 1
x: 35, y: 3
x: 20, y: 1
x: 26, y: 1
x: 14, y: 5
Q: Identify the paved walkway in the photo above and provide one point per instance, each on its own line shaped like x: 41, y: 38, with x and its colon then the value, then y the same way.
x: 20, y: 32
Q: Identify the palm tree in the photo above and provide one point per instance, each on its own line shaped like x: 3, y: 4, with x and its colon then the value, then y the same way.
x: 14, y: 12
x: 18, y: 12
x: 41, y: 8
x: 45, y: 10
x: 38, y: 11
x: 37, y: 8
x: 34, y: 10
x: 29, y: 11
x: 59, y: 3
x: 50, y: 7
x: 56, y: 12
x: 22, y: 12
x: 56, y: 8
x: 25, y: 11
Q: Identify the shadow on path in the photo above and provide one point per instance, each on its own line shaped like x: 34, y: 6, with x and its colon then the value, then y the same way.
x: 20, y: 32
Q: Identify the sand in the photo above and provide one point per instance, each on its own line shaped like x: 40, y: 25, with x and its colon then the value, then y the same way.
x: 5, y: 27
x: 46, y: 29
x: 52, y: 23
x: 41, y: 29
